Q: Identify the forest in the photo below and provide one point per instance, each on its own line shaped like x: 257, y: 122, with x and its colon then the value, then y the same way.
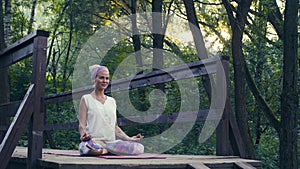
x: 261, y: 38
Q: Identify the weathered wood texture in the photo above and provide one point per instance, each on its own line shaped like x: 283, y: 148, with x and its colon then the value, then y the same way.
x: 228, y: 135
x: 243, y: 165
x: 20, y: 50
x: 36, y: 126
x: 54, y: 161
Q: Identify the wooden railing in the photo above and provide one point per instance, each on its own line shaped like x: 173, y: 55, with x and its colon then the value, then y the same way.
x: 27, y: 111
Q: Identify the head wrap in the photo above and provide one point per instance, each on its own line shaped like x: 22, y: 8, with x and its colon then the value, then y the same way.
x: 95, y: 69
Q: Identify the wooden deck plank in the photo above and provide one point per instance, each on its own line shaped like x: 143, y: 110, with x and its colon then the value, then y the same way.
x: 198, y: 166
x: 170, y: 162
x: 243, y: 165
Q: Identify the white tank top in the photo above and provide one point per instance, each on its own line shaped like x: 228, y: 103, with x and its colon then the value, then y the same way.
x: 101, y: 118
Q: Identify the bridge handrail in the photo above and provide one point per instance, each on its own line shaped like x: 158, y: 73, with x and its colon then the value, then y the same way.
x: 35, y: 45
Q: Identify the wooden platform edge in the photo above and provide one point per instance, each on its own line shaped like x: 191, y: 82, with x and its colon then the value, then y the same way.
x: 55, y: 161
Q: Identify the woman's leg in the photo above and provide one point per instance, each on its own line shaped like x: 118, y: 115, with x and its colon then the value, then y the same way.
x: 90, y: 148
x: 125, y: 147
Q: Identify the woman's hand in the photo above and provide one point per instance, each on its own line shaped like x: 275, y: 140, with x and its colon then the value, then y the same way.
x: 136, y: 138
x: 85, y: 137
x: 120, y: 133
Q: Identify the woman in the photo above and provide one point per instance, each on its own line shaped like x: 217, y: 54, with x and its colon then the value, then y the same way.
x: 98, y: 126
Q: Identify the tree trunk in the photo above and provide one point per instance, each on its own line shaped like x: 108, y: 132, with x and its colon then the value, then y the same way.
x: 158, y: 37
x: 239, y: 91
x: 4, y: 86
x: 7, y: 18
x: 198, y: 40
x: 157, y: 34
x: 195, y: 29
x: 289, y: 96
x: 136, y: 37
x: 259, y: 67
x: 275, y: 17
x: 237, y: 27
x: 141, y: 92
x: 68, y: 55
x: 54, y: 33
x: 32, y: 16
x: 2, y: 43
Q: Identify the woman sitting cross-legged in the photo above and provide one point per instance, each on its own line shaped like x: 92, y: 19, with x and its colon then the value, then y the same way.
x: 98, y: 126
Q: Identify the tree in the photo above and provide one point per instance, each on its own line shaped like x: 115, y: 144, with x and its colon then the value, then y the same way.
x: 286, y: 127
x: 34, y: 2
x: 4, y: 86
x: 198, y: 40
x: 158, y: 37
x: 290, y: 95
x: 237, y: 23
x: 7, y: 21
x: 2, y: 44
x: 136, y: 37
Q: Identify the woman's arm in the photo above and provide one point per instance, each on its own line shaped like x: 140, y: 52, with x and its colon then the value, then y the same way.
x: 120, y: 133
x: 82, y: 114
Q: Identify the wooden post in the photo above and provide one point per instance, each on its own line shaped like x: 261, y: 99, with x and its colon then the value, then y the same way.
x: 36, y: 126
x: 222, y: 132
x: 229, y: 140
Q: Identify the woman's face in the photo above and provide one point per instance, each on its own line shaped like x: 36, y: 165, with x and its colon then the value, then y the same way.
x: 102, y: 80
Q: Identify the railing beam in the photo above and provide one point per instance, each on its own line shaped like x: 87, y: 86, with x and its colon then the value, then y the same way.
x: 16, y: 128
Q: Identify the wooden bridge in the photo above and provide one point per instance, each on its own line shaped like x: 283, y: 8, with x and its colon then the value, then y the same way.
x: 31, y: 111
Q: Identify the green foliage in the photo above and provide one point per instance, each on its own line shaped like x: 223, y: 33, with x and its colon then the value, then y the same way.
x: 267, y: 150
x: 19, y: 20
x: 190, y: 144
x: 64, y: 139
x: 59, y: 114
x: 19, y: 79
